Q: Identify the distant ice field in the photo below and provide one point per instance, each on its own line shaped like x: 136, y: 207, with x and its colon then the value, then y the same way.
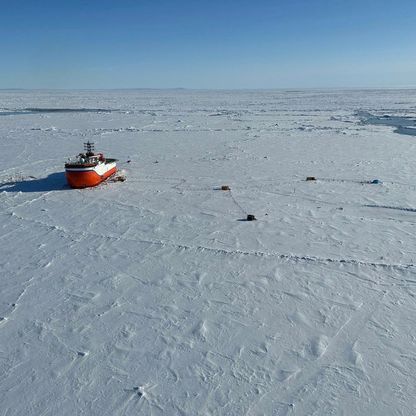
x: 154, y: 296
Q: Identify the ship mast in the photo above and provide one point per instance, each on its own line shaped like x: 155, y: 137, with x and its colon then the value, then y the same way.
x: 89, y: 148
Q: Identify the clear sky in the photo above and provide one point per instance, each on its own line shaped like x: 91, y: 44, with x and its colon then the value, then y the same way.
x: 207, y: 43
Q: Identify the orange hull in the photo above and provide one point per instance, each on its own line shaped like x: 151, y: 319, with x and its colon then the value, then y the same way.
x: 87, y: 178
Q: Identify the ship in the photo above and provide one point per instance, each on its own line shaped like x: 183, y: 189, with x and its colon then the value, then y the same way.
x: 89, y: 168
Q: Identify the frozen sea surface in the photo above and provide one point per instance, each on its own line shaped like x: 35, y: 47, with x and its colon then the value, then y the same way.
x: 152, y: 297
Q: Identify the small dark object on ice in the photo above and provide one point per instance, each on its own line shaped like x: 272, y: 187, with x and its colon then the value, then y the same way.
x: 376, y: 181
x: 310, y: 178
x: 128, y: 161
x: 225, y: 188
x: 156, y: 161
x: 139, y: 392
x: 119, y: 178
x: 251, y: 217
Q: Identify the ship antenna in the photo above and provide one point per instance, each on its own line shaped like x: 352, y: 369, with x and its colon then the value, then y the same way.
x: 89, y: 148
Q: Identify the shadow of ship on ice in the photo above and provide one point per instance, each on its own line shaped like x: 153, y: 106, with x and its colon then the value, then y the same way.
x: 52, y: 182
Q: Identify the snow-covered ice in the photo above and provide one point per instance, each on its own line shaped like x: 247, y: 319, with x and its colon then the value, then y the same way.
x: 153, y: 296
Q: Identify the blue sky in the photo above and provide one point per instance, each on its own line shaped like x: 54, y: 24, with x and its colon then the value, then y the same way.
x: 207, y: 44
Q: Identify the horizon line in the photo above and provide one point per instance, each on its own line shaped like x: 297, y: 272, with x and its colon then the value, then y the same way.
x: 213, y: 89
